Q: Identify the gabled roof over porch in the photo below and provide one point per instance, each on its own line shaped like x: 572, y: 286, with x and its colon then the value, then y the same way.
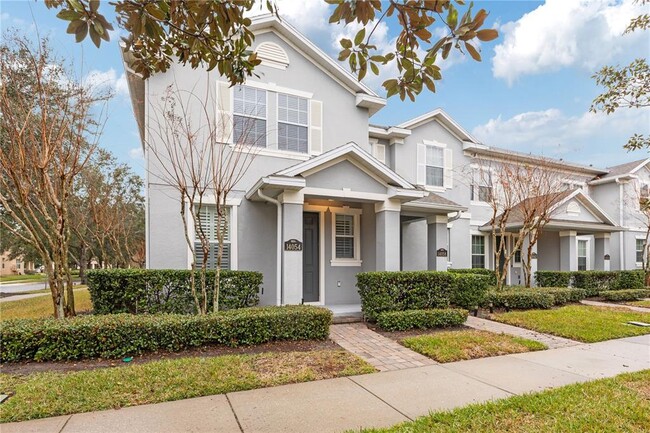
x: 570, y: 210
x: 348, y: 173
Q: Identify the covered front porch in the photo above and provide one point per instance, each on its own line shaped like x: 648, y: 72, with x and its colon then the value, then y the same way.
x: 576, y: 238
x: 339, y: 214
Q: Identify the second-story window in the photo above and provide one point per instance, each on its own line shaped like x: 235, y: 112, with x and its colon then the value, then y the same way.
x: 435, y: 162
x: 293, y: 123
x: 249, y: 116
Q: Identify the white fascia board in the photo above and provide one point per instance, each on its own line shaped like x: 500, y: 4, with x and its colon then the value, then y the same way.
x: 392, y: 133
x: 461, y: 132
x: 622, y: 177
x: 284, y: 182
x: 409, y: 194
x: 640, y: 166
x: 372, y: 103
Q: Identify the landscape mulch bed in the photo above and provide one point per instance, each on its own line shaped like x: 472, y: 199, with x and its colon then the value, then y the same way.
x: 24, y: 368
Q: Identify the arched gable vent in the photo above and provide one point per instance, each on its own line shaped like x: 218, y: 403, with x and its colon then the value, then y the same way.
x: 271, y: 54
x: 573, y: 208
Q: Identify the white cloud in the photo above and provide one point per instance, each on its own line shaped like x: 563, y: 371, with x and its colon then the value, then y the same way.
x: 306, y: 16
x: 563, y: 33
x: 107, y: 80
x: 136, y: 153
x: 4, y: 16
x: 587, y: 138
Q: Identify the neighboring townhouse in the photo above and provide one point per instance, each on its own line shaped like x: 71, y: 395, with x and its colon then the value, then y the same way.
x: 330, y: 195
x: 14, y: 266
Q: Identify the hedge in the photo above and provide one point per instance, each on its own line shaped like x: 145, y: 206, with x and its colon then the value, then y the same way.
x: 418, y: 290
x: 167, y: 291
x: 624, y: 295
x: 592, y: 281
x: 520, y: 299
x: 564, y: 295
x: 421, y: 319
x: 118, y: 335
x: 478, y: 271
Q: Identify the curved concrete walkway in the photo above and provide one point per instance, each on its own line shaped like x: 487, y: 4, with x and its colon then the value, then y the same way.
x: 609, y: 304
x: 373, y: 400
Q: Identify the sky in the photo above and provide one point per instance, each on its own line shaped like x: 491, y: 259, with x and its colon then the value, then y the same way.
x: 531, y: 92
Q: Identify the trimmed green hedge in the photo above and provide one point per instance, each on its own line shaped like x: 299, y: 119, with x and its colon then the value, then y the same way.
x: 167, y: 291
x: 478, y: 271
x: 592, y: 281
x: 520, y: 299
x: 418, y: 290
x: 421, y: 319
x: 564, y: 295
x: 624, y: 295
x: 118, y: 335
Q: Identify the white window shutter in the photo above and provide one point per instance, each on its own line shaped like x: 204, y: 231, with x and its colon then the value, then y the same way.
x: 379, y: 151
x: 224, y: 121
x: 449, y: 175
x: 315, y: 127
x: 421, y: 164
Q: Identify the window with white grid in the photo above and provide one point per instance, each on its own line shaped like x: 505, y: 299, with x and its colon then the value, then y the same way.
x: 208, y: 224
x: 435, y: 163
x: 249, y: 116
x: 293, y: 123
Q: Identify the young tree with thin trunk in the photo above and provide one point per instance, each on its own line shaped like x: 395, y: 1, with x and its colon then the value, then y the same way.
x: 49, y: 128
x: 198, y: 153
x: 522, y: 198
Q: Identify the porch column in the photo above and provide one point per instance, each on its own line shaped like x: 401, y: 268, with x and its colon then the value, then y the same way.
x: 601, y: 251
x: 292, y: 209
x: 437, y: 240
x: 568, y: 251
x: 533, y: 261
x: 388, y: 228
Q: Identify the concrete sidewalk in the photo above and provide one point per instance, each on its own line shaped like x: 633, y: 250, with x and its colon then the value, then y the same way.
x: 374, y: 400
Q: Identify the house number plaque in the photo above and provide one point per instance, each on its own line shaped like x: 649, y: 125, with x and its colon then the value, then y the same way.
x: 441, y: 252
x: 293, y: 245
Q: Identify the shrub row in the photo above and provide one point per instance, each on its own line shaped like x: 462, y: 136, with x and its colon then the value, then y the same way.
x: 421, y: 319
x: 418, y: 290
x: 478, y: 271
x: 522, y: 298
x: 592, y: 281
x: 624, y: 295
x: 118, y: 335
x: 167, y: 291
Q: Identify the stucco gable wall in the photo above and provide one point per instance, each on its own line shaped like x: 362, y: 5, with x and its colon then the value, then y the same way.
x: 345, y: 175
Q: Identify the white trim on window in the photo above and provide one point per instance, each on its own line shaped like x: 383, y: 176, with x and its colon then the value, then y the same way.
x: 636, y: 249
x: 356, y: 234
x: 272, y: 87
x: 485, y: 249
x: 587, y: 255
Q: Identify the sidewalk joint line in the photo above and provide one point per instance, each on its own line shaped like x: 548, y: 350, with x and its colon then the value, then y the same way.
x: 478, y: 379
x: 241, y: 429
x: 380, y: 399
x: 65, y: 423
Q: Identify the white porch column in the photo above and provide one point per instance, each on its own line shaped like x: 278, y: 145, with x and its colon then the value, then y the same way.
x: 601, y: 251
x: 437, y: 240
x: 388, y: 228
x: 292, y: 210
x: 568, y: 251
x: 533, y: 261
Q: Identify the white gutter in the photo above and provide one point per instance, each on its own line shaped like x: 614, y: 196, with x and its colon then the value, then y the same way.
x: 278, y: 271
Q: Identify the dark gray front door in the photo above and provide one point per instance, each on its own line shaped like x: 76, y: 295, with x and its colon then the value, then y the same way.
x: 310, y: 258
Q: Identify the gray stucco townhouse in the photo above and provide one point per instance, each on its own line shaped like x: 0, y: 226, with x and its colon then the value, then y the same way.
x: 364, y: 197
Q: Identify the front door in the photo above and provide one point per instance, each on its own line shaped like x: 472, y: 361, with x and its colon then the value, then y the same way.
x: 310, y: 258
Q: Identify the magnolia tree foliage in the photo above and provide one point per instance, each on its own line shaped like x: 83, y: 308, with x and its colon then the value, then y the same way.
x: 217, y: 33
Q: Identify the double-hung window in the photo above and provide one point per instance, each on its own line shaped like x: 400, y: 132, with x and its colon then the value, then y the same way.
x: 293, y: 123
x: 478, y: 251
x: 346, y: 239
x: 435, y: 166
x: 208, y: 225
x: 582, y: 255
x: 249, y: 116
x: 640, y: 249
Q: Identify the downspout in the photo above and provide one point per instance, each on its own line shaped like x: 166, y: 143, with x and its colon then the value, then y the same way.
x: 278, y: 272
x: 621, y: 216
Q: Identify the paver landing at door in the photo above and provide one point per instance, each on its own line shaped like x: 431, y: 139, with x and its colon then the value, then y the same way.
x: 383, y: 353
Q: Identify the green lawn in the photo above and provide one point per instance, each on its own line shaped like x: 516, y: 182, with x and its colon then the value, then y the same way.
x: 579, y: 322
x: 452, y: 346
x: 620, y: 404
x: 41, y: 306
x: 23, y: 278
x: 42, y: 395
